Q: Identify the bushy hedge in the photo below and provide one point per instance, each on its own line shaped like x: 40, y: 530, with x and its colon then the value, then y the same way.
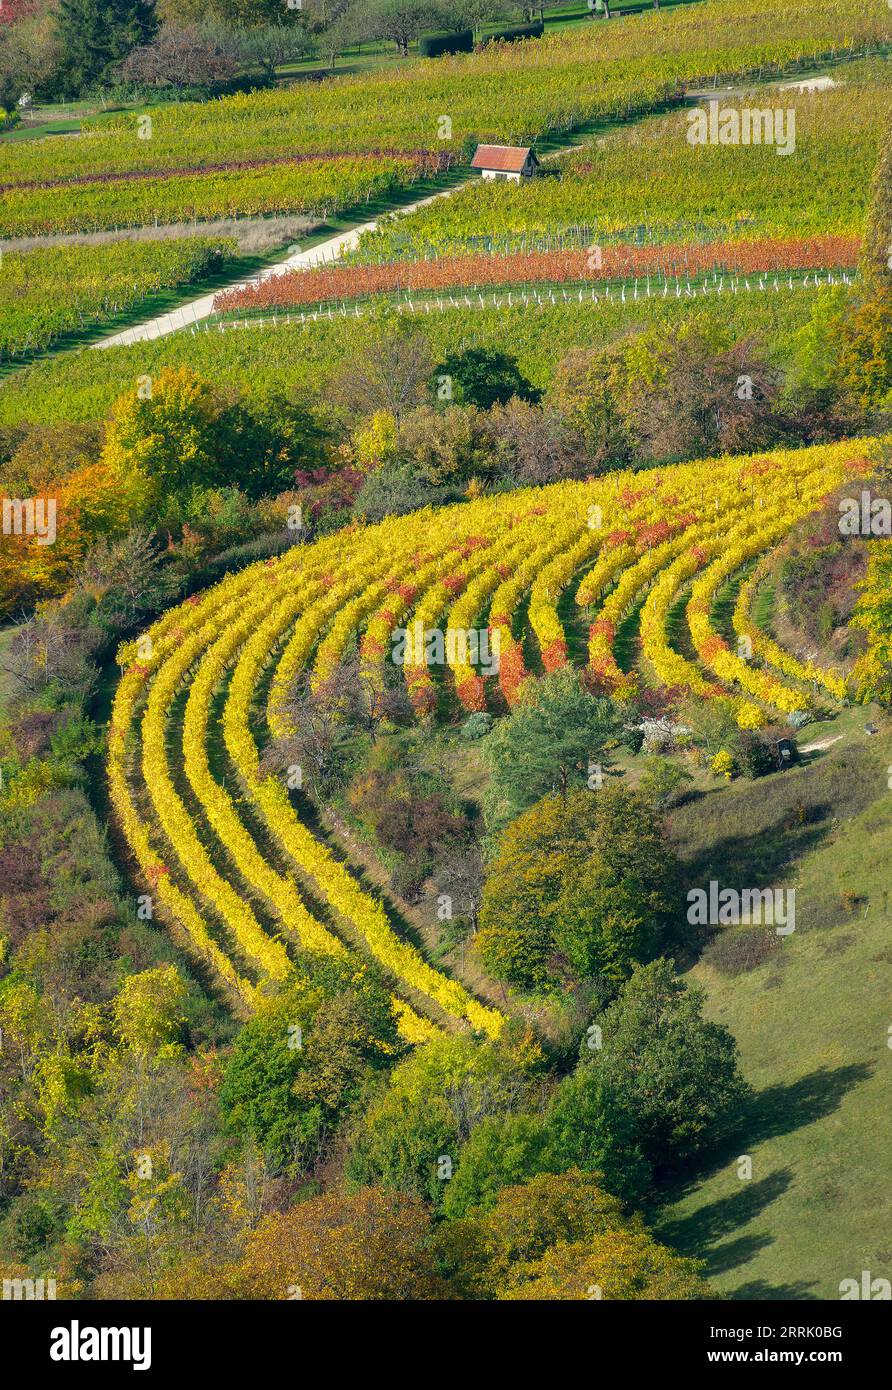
x: 432, y: 45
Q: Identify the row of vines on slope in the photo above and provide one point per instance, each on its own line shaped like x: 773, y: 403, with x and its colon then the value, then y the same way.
x: 234, y: 861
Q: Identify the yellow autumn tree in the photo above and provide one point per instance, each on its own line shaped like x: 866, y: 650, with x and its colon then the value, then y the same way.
x: 561, y: 1236
x: 374, y: 442
x: 621, y: 1264
x: 162, y: 437
x: 148, y: 1009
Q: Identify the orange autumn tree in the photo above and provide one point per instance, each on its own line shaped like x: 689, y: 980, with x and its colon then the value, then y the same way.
x: 88, y: 504
x: 58, y: 467
x: 161, y: 436
x: 371, y: 1245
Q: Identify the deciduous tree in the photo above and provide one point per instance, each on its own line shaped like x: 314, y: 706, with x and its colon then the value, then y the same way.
x: 546, y: 744
x: 624, y: 1264
x: 583, y: 884
x: 368, y: 1246
x: 670, y: 1068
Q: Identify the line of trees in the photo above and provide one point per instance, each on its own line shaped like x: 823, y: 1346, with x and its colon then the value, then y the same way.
x: 67, y: 48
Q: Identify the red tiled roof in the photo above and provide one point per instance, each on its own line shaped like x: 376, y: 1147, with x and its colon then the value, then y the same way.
x: 508, y: 159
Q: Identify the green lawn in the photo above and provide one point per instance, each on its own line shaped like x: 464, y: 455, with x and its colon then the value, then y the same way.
x: 812, y: 1024
x: 64, y: 117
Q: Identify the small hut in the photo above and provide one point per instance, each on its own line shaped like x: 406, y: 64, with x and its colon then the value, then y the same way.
x: 505, y: 162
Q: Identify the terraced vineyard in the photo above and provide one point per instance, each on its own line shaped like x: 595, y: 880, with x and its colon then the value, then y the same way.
x: 225, y: 846
x: 511, y: 92
x: 322, y: 148
x: 648, y: 183
x: 322, y: 187
x: 63, y: 289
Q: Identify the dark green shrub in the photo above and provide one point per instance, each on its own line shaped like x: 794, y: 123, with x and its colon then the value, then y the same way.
x: 739, y: 949
x: 433, y: 45
x: 407, y: 880
x: 394, y: 490
x: 754, y: 756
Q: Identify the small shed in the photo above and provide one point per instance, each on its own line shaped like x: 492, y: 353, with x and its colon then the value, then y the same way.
x: 505, y: 162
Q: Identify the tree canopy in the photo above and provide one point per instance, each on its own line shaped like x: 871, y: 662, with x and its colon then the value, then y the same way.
x: 582, y: 885
x: 663, y: 1063
x: 97, y: 34
x: 306, y: 1057
x: 546, y: 744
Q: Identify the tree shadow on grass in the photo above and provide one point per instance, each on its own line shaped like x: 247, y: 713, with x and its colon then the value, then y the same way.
x: 782, y: 816
x: 774, y: 1111
x: 720, y: 1259
x: 700, y: 1235
x: 763, y: 858
x: 754, y: 861
x: 701, y: 1230
x: 783, y: 1108
x: 771, y: 1112
x: 759, y: 1290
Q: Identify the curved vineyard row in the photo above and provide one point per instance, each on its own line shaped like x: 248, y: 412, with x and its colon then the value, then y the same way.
x: 223, y: 842
x: 739, y: 514
x: 771, y: 653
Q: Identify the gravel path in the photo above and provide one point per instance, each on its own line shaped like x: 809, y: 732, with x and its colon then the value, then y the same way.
x: 199, y: 309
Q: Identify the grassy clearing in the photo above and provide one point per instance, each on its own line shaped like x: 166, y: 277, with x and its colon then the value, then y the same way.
x: 812, y: 1025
